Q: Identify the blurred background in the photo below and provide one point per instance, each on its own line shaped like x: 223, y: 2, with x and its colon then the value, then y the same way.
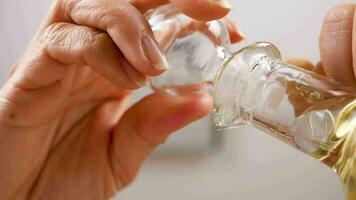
x: 198, y: 163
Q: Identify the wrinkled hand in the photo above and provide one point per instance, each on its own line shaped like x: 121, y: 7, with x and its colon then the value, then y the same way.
x: 66, y: 129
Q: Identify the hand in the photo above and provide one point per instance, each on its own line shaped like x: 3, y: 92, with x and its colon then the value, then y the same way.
x: 337, y: 46
x: 67, y: 131
x: 337, y: 49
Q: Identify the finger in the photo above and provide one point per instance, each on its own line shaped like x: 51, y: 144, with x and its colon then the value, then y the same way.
x: 336, y: 44
x: 127, y: 27
x: 236, y: 34
x: 167, y: 36
x: 78, y: 45
x: 146, y: 5
x: 319, y: 69
x: 148, y: 123
x: 187, y: 89
x: 298, y: 101
x: 306, y: 64
x: 172, y: 31
x: 187, y: 28
x: 302, y: 63
x: 108, y: 114
x: 208, y: 9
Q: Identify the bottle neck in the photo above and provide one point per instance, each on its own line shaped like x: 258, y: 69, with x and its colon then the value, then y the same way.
x: 310, y: 112
x: 297, y: 106
x: 237, y: 87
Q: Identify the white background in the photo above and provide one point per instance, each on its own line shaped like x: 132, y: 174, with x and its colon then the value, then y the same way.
x: 251, y: 165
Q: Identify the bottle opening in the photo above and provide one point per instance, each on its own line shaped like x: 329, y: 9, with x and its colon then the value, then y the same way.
x: 239, y: 81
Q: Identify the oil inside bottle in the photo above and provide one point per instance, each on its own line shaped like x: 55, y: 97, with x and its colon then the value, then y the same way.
x: 339, y: 150
x: 305, y: 110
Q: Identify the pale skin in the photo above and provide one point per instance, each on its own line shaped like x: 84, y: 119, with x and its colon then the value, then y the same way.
x: 67, y: 130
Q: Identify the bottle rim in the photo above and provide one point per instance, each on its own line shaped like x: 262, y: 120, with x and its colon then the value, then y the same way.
x: 226, y: 79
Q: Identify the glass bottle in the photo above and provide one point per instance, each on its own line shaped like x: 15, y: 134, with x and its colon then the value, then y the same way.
x: 253, y: 86
x: 195, y: 50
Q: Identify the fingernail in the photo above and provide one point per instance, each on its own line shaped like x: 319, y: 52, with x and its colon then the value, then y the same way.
x: 143, y: 82
x: 153, y: 53
x: 238, y: 36
x: 241, y: 33
x: 222, y: 3
x: 139, y: 79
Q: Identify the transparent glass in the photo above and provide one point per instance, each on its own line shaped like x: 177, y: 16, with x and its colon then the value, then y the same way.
x: 309, y: 112
x: 195, y: 50
x: 253, y: 86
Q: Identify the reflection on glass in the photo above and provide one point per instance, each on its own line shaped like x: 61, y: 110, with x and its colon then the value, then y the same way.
x: 195, y: 50
x: 253, y: 86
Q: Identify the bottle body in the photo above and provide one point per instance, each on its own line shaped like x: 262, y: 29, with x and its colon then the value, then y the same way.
x: 253, y: 86
x: 309, y: 112
x: 195, y: 50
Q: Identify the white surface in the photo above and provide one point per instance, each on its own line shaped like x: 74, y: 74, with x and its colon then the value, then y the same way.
x: 252, y: 165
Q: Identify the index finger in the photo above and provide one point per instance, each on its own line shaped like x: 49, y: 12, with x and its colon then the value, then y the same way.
x: 203, y: 10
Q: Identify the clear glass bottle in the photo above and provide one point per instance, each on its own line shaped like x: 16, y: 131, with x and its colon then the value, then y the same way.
x: 253, y: 86
x: 195, y: 50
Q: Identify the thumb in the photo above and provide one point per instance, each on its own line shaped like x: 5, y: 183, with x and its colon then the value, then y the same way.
x: 147, y: 124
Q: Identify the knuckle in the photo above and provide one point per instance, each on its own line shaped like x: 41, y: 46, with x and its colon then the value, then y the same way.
x: 98, y: 43
x: 123, y: 16
x: 69, y: 37
x: 54, y: 33
x: 100, y: 39
x: 111, y: 15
